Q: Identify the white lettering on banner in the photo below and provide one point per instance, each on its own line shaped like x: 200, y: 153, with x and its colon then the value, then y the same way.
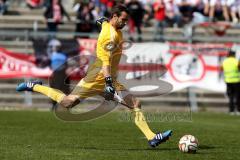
x: 11, y: 66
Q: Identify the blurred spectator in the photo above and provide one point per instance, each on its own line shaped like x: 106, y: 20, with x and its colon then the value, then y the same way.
x: 58, y: 58
x: 3, y: 7
x: 159, y: 17
x: 186, y: 8
x: 206, y: 4
x: 85, y: 18
x: 225, y: 7
x: 42, y: 61
x: 95, y: 7
x: 231, y: 68
x: 136, y: 15
x: 59, y: 79
x: 33, y: 4
x: 107, y: 7
x: 99, y: 8
x: 219, y: 7
x: 199, y: 6
x: 54, y: 14
x: 235, y: 11
x: 172, y: 13
x: 148, y: 12
x: 199, y: 16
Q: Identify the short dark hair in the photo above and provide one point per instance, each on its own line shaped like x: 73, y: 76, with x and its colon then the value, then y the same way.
x: 118, y: 9
x: 231, y: 53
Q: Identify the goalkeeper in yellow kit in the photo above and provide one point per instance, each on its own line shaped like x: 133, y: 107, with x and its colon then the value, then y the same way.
x: 101, y: 78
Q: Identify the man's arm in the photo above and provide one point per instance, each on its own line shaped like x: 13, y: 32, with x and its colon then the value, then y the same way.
x: 109, y: 89
x: 104, y: 52
x: 106, y: 71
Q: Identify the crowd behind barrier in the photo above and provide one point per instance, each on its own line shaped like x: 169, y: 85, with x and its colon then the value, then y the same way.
x: 143, y: 13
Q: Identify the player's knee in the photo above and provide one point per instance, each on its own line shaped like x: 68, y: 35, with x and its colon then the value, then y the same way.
x: 70, y: 101
x: 137, y: 104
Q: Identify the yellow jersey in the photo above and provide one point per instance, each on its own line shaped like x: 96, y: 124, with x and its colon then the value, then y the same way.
x: 109, y: 49
x: 231, y: 71
x: 108, y: 53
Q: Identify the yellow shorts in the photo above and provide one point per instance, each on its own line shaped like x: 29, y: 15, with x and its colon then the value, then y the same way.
x: 91, y: 87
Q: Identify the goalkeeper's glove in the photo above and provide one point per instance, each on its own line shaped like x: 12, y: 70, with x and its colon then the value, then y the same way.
x: 109, y: 90
x: 100, y: 21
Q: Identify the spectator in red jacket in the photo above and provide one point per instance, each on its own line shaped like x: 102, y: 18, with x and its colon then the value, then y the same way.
x: 54, y: 14
x: 35, y: 3
x: 159, y: 17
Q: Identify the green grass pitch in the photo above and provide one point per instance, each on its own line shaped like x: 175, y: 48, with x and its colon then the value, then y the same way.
x: 33, y: 135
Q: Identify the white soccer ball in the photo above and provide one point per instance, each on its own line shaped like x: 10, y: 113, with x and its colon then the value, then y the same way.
x: 188, y: 144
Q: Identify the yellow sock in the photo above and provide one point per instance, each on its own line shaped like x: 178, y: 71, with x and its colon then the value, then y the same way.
x: 52, y: 93
x: 140, y: 121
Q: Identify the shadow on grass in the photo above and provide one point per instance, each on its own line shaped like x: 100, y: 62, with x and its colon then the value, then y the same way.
x: 159, y: 149
x: 203, y: 148
x: 206, y: 147
x: 131, y: 149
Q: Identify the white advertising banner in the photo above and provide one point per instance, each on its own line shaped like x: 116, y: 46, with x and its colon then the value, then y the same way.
x: 187, y: 65
x: 180, y: 64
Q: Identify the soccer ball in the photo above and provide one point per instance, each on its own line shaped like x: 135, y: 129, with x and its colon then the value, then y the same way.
x: 188, y: 144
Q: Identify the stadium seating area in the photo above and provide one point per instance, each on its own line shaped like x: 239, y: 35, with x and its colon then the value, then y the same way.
x: 21, y: 21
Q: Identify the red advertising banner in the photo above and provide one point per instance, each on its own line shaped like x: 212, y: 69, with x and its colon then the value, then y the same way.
x: 16, y: 65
